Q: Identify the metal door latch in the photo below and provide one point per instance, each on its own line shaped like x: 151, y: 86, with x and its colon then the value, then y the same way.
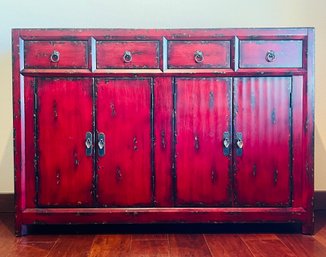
x: 101, y: 144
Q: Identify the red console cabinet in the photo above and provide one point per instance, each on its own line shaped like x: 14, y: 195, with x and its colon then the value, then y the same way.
x: 142, y: 126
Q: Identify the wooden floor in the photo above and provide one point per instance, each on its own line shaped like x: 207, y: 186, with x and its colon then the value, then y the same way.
x: 164, y: 240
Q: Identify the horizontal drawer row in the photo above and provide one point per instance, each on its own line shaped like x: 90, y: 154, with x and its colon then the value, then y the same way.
x: 176, y: 54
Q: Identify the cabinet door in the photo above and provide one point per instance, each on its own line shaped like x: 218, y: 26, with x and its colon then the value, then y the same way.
x: 124, y: 175
x: 64, y: 116
x: 263, y: 130
x: 202, y: 119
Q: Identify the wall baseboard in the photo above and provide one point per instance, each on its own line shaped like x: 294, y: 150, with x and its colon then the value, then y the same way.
x: 320, y: 200
x: 7, y: 201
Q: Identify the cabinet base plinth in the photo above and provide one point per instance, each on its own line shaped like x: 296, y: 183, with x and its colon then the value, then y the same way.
x: 66, y: 216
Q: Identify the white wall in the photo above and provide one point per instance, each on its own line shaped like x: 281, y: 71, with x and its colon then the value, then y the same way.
x: 158, y: 14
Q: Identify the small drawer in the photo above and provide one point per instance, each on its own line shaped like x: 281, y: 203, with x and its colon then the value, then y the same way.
x: 198, y: 54
x: 270, y: 54
x: 127, y: 54
x: 56, y: 54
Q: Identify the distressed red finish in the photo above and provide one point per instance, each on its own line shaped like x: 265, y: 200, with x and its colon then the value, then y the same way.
x: 262, y: 115
x: 182, y: 54
x: 71, y: 54
x: 124, y: 175
x: 287, y: 53
x: 190, y: 125
x: 30, y: 187
x: 63, y: 116
x: 112, y: 54
x: 203, y: 114
x: 163, y: 111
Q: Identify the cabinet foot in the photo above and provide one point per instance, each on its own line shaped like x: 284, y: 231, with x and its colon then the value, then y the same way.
x: 21, y: 230
x: 308, y: 228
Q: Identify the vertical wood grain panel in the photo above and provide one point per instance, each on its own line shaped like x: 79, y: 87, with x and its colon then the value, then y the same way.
x: 262, y: 115
x: 202, y: 116
x: 298, y: 128
x: 163, y: 108
x: 123, y: 115
x: 30, y: 146
x: 64, y: 116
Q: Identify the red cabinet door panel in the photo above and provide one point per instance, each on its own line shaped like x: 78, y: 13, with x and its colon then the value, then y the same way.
x: 64, y: 115
x: 263, y: 117
x: 203, y: 114
x: 124, y: 174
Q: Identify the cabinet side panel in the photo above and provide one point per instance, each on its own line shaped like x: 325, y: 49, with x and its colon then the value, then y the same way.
x: 123, y: 116
x: 17, y: 58
x: 308, y: 133
x: 64, y: 117
x: 163, y: 141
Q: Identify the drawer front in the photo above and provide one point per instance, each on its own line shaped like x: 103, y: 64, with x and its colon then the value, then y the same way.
x: 56, y: 54
x: 127, y: 54
x: 270, y: 54
x: 198, y: 54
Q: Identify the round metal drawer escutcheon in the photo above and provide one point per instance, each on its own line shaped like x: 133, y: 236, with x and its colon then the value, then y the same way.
x: 199, y: 56
x: 270, y: 56
x: 127, y: 56
x: 55, y: 56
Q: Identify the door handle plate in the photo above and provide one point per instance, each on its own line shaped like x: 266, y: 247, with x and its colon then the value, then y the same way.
x: 101, y: 144
x: 89, y: 143
x: 226, y: 143
x: 239, y: 144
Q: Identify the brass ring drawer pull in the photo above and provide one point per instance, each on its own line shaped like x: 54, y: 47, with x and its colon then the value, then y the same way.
x: 199, y: 57
x: 270, y: 56
x: 55, y: 56
x: 127, y: 56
